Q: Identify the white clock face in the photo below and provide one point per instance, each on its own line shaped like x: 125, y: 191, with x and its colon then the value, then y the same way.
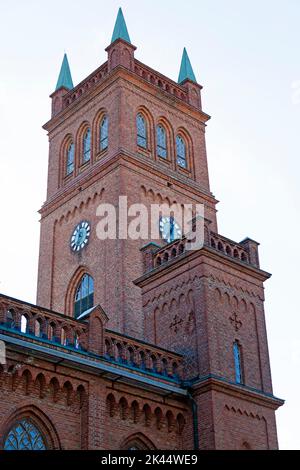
x: 169, y: 229
x: 80, y: 236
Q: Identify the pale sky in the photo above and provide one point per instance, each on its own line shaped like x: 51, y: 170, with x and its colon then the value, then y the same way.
x: 246, y: 56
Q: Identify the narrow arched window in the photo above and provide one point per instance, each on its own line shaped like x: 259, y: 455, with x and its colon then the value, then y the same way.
x: 51, y: 331
x: 87, y: 145
x: 181, y: 152
x: 154, y: 363
x: 142, y: 360
x: 38, y: 327
x: 11, y: 318
x: 76, y: 341
x: 104, y: 133
x: 84, y: 296
x: 141, y: 131
x: 238, y: 368
x: 24, y: 324
x: 70, y: 158
x: 161, y: 138
x: 24, y: 435
x: 130, y: 356
x: 63, y: 337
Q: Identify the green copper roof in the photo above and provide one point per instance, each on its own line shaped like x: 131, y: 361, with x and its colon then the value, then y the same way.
x: 186, y: 70
x: 65, y: 78
x: 120, y: 29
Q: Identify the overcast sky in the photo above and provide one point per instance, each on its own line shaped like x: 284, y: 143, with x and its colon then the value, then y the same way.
x: 246, y: 56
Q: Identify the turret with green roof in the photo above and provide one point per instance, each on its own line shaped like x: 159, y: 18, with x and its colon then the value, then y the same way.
x: 120, y: 29
x: 186, y: 70
x: 65, y: 77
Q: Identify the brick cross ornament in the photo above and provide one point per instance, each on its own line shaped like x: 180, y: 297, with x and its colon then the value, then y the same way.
x: 235, y: 321
x: 175, y: 323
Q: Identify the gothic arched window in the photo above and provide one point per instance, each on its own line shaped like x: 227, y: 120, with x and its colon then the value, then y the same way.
x: 38, y: 327
x: 76, y: 341
x: 87, y: 145
x: 104, y: 133
x: 24, y: 324
x: 24, y: 435
x: 51, y: 331
x: 63, y: 337
x: 141, y: 131
x: 70, y: 158
x: 238, y: 368
x: 181, y: 152
x: 137, y: 441
x: 161, y: 138
x: 84, y: 296
x: 11, y: 318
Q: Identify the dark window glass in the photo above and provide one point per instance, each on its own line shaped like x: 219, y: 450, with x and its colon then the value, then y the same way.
x: 161, y: 142
x: 70, y: 159
x: 84, y: 297
x: 10, y: 319
x: 181, y: 152
x: 104, y: 133
x: 87, y: 146
x: 237, y: 363
x: 141, y: 131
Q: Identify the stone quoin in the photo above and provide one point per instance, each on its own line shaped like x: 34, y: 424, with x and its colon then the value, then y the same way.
x: 135, y: 344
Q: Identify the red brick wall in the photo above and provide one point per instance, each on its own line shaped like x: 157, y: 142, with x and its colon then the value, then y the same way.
x: 187, y: 308
x: 211, y: 293
x: 226, y: 422
x: 242, y: 423
x: 113, y: 264
x: 78, y: 415
x: 204, y: 296
x: 37, y: 398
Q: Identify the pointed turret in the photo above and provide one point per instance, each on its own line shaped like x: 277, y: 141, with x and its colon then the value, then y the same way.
x: 65, y: 78
x: 186, y: 70
x: 120, y: 51
x: 120, y: 29
x: 63, y: 86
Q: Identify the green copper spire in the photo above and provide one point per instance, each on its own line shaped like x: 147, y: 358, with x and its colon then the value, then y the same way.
x: 186, y: 70
x: 120, y: 29
x: 65, y: 78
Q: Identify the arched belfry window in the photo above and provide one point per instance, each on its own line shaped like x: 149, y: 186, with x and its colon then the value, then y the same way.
x: 11, y: 318
x: 104, y: 133
x: 84, y: 296
x: 24, y: 435
x: 87, y: 145
x: 238, y: 367
x: 24, y: 324
x: 70, y: 158
x: 181, y: 152
x: 161, y: 139
x: 141, y: 127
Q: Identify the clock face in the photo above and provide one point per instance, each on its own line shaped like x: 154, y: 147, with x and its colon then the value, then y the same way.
x: 169, y: 229
x: 80, y: 236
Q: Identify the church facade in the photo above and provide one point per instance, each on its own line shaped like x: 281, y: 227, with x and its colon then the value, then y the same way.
x: 134, y: 344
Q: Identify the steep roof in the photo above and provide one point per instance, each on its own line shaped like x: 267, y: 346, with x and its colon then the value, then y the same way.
x: 65, y: 77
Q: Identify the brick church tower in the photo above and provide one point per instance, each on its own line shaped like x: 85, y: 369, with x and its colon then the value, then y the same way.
x: 135, y: 343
